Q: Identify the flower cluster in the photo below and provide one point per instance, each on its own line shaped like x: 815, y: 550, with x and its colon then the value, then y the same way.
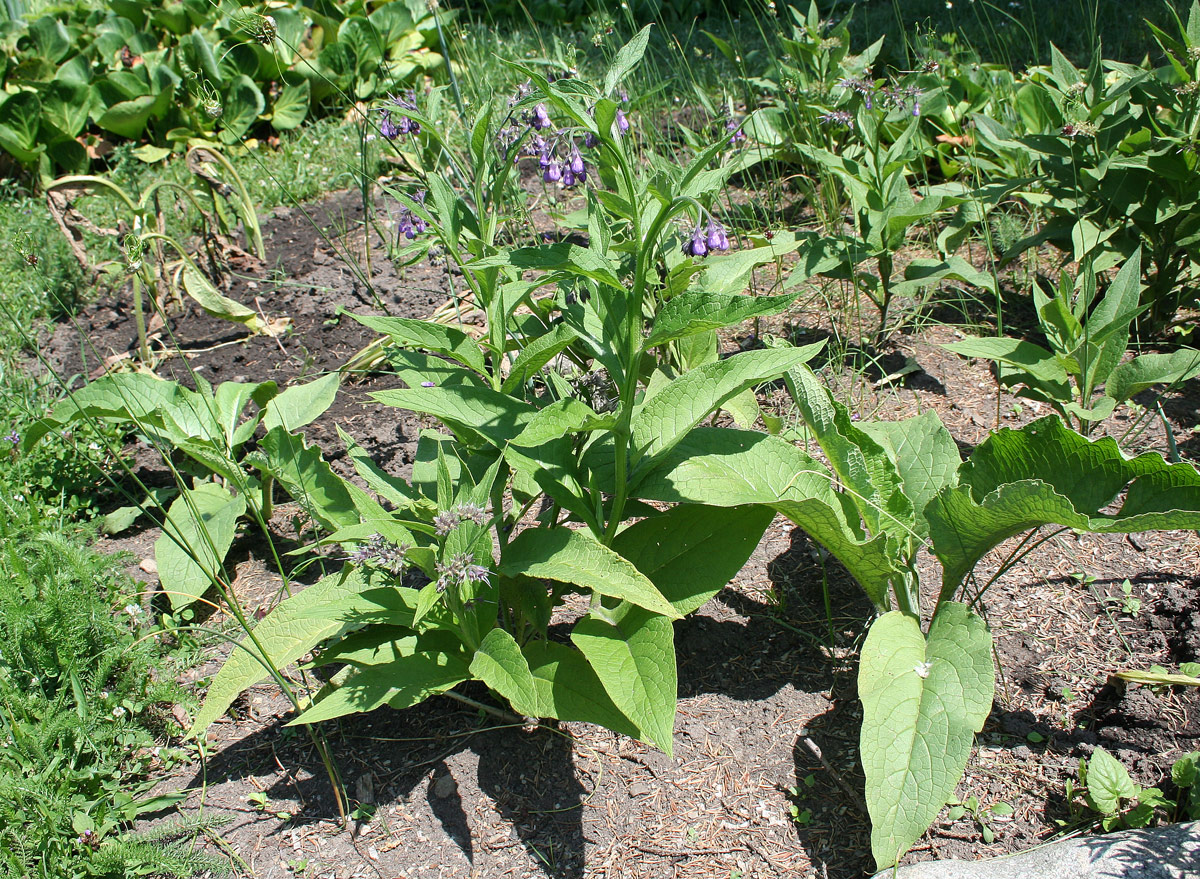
x: 446, y: 521
x: 735, y: 131
x: 382, y: 553
x: 559, y: 158
x: 459, y: 571
x: 891, y: 97
x: 389, y: 128
x: 1079, y: 129
x: 705, y: 239
x: 841, y: 118
x: 410, y: 225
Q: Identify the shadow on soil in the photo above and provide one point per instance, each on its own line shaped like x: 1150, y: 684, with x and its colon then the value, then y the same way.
x: 752, y: 651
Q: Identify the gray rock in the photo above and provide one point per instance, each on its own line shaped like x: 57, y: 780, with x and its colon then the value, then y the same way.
x: 1171, y: 852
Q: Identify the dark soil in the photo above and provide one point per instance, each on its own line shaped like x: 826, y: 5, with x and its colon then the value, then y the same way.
x: 765, y: 779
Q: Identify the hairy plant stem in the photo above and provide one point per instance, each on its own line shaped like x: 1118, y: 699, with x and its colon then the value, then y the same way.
x: 139, y: 318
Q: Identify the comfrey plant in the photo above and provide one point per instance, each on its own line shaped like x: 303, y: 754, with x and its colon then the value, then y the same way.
x: 545, y: 544
x: 212, y: 430
x: 904, y: 488
x: 877, y: 181
x: 1115, y: 149
x: 1087, y: 335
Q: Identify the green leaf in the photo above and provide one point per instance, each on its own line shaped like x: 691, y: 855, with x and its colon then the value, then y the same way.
x: 560, y: 418
x: 19, y: 117
x: 386, y: 666
x: 65, y: 103
x: 291, y: 107
x: 1111, y: 319
x: 200, y: 289
x: 197, y: 533
x: 562, y: 257
x: 1108, y: 783
x: 728, y: 468
x: 50, y: 38
x: 1147, y: 370
x: 925, y: 455
x: 438, y: 338
x: 576, y: 557
x: 692, y: 551
x: 1045, y: 474
x: 501, y: 665
x: 1036, y: 366
x: 329, y: 607
x: 393, y: 489
x: 696, y: 311
x: 870, y: 478
x: 728, y: 273
x: 307, y: 477
x: 301, y: 404
x: 628, y: 57
x: 569, y: 689
x: 129, y: 118
x: 634, y: 657
x: 668, y: 416
x: 923, y: 701
x: 489, y: 415
x: 922, y: 273
x: 537, y: 354
x: 242, y: 103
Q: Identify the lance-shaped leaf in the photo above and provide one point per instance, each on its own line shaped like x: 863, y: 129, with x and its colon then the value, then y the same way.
x: 668, y: 416
x: 578, y: 558
x: 633, y: 655
x: 569, y: 689
x: 1034, y: 365
x: 161, y: 409
x: 301, y: 404
x: 1148, y: 370
x: 1046, y: 474
x: 730, y: 272
x: 469, y: 411
x: 501, y: 665
x: 562, y: 417
x: 728, y: 468
x: 197, y: 533
x: 692, y: 551
x: 385, y: 665
x: 537, y: 354
x: 393, y: 489
x: 331, y: 606
x: 565, y: 258
x: 439, y: 338
x: 868, y: 475
x: 308, y: 478
x: 923, y: 701
x: 697, y: 311
x: 628, y: 57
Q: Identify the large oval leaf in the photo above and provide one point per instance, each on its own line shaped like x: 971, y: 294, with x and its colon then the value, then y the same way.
x: 923, y: 701
x: 634, y: 657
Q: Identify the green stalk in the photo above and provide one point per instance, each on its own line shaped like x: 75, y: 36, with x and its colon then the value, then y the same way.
x: 139, y: 318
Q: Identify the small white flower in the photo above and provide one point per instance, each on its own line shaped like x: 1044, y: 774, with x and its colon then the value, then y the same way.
x: 33, y: 681
x: 118, y: 711
x: 922, y: 669
x: 104, y: 695
x: 133, y: 610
